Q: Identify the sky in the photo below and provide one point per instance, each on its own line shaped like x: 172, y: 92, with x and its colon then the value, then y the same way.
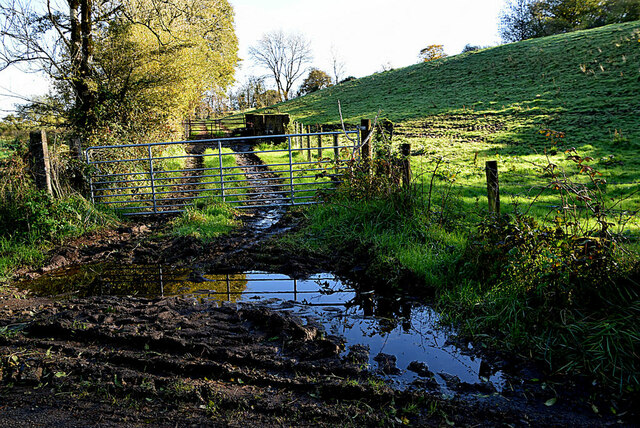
x: 365, y: 34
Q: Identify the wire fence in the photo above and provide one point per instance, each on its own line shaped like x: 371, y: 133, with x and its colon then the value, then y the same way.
x: 578, y: 194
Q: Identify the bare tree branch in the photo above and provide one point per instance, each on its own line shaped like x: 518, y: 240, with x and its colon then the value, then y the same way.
x: 337, y: 65
x: 285, y: 56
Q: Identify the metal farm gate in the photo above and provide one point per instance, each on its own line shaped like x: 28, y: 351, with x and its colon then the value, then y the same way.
x: 245, y: 172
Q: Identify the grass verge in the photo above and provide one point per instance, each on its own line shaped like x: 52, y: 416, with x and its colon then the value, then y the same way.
x: 31, y: 221
x: 35, y: 222
x: 564, y: 296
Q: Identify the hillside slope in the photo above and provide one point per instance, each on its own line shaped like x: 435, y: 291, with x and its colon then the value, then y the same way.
x: 525, y: 105
x: 585, y: 83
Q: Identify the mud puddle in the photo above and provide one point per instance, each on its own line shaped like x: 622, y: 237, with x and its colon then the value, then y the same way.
x: 399, y: 340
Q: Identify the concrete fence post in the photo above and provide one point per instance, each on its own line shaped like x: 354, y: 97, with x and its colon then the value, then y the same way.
x: 40, y: 164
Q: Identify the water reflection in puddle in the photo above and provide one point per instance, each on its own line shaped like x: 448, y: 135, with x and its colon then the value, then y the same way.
x: 408, y: 331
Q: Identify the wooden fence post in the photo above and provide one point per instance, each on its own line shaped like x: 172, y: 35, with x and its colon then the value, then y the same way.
x: 493, y: 190
x: 365, y: 131
x: 336, y: 158
x: 405, y: 150
x: 299, y: 131
x: 39, y: 154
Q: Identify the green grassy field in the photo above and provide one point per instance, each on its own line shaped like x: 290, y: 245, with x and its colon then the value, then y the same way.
x: 312, y: 168
x: 584, y: 82
x: 560, y: 115
x: 500, y: 104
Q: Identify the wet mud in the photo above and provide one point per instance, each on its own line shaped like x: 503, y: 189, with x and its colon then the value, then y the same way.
x: 176, y: 361
x: 117, y: 360
x: 123, y: 361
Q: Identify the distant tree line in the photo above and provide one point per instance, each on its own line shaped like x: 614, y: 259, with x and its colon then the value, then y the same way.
x: 526, y: 19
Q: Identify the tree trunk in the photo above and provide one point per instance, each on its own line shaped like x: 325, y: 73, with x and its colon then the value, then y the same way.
x: 81, y: 63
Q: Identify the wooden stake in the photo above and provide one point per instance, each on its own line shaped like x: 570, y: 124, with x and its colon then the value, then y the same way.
x: 493, y: 189
x: 365, y: 131
x: 405, y: 150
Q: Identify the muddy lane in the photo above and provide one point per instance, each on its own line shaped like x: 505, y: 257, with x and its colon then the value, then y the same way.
x: 236, y: 350
x: 265, y: 189
x: 136, y: 329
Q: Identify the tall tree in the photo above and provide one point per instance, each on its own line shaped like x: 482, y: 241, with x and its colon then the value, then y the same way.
x: 109, y: 56
x: 285, y: 55
x: 56, y: 41
x: 316, y: 80
x: 162, y: 58
x: 523, y: 19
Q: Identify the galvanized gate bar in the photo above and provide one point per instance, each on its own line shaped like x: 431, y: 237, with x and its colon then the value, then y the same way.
x: 121, y: 180
x: 291, y: 171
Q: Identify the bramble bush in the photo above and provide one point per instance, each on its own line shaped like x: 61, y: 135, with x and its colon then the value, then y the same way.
x: 566, y: 289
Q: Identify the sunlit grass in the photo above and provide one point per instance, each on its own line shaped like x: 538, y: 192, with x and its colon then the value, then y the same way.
x: 312, y: 163
x: 227, y: 186
x: 215, y: 215
x: 207, y: 221
x: 493, y: 105
x: 504, y: 104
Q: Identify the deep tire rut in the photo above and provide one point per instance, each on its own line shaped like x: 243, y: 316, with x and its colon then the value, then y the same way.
x: 182, y: 351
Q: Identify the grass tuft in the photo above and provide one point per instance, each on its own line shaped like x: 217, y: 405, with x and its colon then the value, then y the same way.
x: 206, y: 223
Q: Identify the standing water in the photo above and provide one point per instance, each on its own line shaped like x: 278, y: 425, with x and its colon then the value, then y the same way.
x: 409, y: 332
